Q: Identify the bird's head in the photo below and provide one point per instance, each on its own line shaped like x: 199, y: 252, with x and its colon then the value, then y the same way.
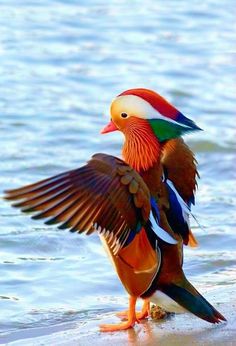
x: 134, y: 108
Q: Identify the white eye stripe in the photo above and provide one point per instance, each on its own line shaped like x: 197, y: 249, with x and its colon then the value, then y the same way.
x: 135, y: 105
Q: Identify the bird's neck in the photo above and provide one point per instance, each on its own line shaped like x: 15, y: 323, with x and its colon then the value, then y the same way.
x: 141, y: 149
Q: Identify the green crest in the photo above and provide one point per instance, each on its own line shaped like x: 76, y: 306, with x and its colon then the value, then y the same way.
x: 165, y: 130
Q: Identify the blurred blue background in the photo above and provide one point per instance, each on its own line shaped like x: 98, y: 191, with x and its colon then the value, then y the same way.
x: 61, y: 63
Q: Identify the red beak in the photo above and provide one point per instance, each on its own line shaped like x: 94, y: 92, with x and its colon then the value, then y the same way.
x: 109, y: 128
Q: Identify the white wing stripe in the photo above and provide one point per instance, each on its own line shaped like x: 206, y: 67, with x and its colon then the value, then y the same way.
x: 185, y: 209
x: 160, y: 232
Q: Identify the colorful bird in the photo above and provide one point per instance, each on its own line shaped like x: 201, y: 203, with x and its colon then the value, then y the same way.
x: 139, y: 206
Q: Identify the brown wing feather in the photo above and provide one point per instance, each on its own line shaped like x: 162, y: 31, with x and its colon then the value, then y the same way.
x: 105, y: 195
x: 181, y: 167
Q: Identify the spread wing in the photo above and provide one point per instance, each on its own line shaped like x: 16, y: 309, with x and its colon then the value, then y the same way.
x: 106, y: 195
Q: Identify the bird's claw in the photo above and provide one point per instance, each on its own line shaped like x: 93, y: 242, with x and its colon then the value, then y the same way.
x: 117, y: 327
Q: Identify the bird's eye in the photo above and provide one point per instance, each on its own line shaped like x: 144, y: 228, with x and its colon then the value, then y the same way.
x: 124, y: 115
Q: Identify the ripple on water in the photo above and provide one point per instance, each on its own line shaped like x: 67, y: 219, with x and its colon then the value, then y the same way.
x: 61, y: 63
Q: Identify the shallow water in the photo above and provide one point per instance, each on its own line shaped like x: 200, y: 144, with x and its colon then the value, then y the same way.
x: 61, y: 63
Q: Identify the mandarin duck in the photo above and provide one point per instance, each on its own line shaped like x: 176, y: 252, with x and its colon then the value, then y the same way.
x: 139, y: 206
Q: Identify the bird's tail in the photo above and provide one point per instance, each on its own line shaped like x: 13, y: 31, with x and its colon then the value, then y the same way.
x: 190, y: 299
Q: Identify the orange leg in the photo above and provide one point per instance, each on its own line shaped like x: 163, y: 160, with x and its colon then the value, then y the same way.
x: 123, y: 325
x: 145, y: 312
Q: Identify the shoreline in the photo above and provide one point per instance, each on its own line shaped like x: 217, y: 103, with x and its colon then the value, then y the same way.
x: 181, y: 329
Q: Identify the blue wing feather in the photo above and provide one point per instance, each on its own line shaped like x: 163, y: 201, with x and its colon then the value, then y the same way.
x: 175, y: 215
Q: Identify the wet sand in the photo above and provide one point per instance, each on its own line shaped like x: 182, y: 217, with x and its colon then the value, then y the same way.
x: 184, y: 329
